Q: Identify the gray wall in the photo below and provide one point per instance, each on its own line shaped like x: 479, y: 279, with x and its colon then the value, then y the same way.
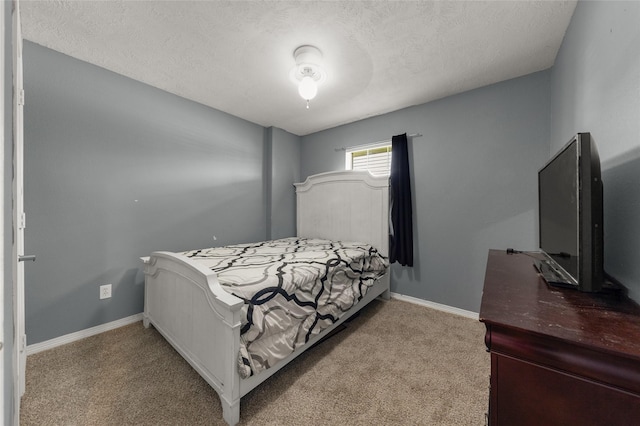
x: 596, y: 88
x: 7, y: 179
x: 474, y: 174
x: 285, y: 170
x: 115, y: 169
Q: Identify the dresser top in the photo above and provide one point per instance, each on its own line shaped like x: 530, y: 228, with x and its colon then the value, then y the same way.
x: 515, y: 296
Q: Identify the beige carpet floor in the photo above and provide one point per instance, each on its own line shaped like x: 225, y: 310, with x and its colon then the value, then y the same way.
x: 395, y: 364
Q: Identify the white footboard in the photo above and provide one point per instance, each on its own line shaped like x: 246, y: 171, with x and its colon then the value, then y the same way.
x: 186, y: 304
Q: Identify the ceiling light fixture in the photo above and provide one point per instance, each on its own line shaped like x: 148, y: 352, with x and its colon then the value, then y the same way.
x: 307, y: 73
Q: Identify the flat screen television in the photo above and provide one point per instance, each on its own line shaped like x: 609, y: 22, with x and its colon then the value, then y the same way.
x: 570, y: 216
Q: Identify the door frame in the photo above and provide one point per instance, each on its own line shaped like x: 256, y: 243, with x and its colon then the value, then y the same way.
x: 20, y: 338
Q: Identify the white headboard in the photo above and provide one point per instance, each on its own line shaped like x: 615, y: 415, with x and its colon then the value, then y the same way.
x: 345, y: 205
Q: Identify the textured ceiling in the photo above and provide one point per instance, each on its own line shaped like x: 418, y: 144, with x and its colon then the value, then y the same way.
x: 235, y: 56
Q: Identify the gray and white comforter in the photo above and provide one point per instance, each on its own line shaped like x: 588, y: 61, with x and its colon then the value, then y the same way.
x: 293, y: 288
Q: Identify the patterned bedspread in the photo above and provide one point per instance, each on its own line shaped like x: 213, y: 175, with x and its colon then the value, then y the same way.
x: 293, y: 288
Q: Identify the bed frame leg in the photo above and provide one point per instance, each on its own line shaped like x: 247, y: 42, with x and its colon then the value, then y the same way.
x: 145, y: 321
x: 386, y: 295
x: 231, y: 412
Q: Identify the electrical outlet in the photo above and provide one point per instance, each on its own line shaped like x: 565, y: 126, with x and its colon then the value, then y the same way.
x: 105, y: 291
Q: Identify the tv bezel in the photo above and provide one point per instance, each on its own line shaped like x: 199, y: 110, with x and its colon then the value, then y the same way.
x: 589, y: 276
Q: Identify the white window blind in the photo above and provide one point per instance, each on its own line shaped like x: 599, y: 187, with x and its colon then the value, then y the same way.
x: 376, y: 158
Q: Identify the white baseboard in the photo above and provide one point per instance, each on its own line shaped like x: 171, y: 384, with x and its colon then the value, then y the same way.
x: 438, y: 306
x: 72, y: 337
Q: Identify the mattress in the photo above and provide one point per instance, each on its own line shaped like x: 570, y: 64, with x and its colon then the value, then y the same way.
x: 292, y: 288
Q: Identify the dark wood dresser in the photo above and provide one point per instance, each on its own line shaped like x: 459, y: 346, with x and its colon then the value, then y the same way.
x: 558, y: 356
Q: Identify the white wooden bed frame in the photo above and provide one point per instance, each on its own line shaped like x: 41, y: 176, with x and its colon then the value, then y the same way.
x: 187, y: 305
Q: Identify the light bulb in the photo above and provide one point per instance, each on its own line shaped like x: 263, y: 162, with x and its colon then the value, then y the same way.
x: 308, y: 88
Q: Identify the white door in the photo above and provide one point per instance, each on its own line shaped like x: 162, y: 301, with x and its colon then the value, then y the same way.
x: 19, y: 222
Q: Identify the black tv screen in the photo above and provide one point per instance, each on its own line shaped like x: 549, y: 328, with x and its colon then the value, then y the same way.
x: 570, y: 212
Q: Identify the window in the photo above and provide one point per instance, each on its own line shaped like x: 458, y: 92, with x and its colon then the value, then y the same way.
x: 376, y: 158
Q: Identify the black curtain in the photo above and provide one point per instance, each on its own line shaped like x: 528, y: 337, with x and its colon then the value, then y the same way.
x: 401, y: 227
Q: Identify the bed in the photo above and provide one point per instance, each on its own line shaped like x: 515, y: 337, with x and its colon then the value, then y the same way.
x: 204, y: 319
